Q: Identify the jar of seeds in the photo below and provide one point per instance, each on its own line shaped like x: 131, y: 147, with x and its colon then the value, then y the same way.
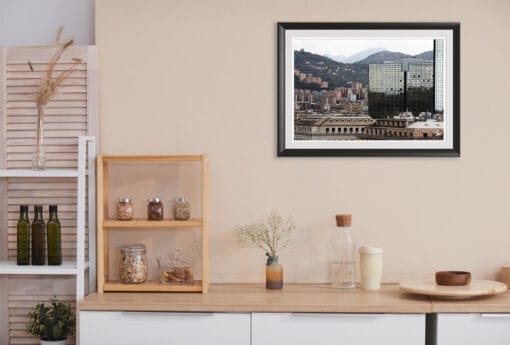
x: 124, y: 209
x: 133, y: 264
x: 155, y: 209
x: 181, y: 209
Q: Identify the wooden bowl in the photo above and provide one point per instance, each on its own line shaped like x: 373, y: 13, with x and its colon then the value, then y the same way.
x: 453, y: 278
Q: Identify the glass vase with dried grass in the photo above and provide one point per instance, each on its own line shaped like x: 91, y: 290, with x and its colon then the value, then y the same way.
x: 46, y: 91
x: 39, y: 159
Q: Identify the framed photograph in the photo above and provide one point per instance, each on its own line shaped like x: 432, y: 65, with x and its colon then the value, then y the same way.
x: 368, y: 89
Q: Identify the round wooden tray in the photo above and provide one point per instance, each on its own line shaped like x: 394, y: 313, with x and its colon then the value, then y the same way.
x: 429, y: 287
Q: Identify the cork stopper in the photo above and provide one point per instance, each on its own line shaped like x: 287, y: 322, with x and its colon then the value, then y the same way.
x: 343, y: 220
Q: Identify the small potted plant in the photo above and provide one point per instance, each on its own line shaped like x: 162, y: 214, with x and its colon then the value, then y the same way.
x: 270, y: 236
x: 52, y: 324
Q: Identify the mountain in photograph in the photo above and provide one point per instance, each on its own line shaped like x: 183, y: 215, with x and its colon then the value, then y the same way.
x: 338, y: 58
x: 355, y: 57
x: 339, y: 74
x: 383, y: 56
x: 363, y: 54
x: 335, y: 73
x: 428, y: 55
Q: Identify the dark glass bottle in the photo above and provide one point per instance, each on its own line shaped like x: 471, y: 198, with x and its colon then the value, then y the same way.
x: 54, y: 238
x: 38, y: 238
x: 23, y: 237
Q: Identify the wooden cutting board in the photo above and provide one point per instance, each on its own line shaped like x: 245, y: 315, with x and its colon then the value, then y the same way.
x: 429, y: 287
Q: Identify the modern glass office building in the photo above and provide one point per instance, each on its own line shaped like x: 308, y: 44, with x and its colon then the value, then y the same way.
x: 420, y: 74
x: 387, y: 78
x: 408, y: 84
x: 439, y: 74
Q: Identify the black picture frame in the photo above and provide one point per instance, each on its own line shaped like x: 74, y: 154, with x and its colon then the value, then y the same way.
x: 283, y: 132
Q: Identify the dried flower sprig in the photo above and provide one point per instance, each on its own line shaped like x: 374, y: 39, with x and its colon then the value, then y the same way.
x: 271, y: 236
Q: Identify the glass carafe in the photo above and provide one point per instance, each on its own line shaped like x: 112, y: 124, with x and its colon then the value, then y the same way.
x: 343, y: 266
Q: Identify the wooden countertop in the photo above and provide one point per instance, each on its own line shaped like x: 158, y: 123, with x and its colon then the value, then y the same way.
x: 311, y: 298
x: 499, y: 303
x: 255, y: 298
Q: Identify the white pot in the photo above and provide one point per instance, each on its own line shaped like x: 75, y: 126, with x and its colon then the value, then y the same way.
x: 53, y: 342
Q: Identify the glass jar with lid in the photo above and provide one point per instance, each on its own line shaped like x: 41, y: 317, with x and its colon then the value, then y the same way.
x: 133, y: 264
x: 176, y: 271
x: 155, y: 209
x: 124, y: 209
x: 181, y: 209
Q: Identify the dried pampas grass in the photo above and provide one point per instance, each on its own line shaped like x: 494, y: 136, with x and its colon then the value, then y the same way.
x: 49, y: 84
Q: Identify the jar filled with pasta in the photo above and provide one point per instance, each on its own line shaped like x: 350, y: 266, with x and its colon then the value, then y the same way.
x: 133, y: 264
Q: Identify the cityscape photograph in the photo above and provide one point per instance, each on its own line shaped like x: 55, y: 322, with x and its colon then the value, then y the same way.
x: 368, y: 89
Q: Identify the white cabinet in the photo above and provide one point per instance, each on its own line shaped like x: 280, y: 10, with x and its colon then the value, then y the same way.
x: 334, y: 329
x: 163, y: 328
x: 473, y: 329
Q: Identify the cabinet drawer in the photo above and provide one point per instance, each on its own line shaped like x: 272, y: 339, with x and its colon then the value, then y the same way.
x: 158, y: 328
x: 473, y: 329
x: 334, y: 329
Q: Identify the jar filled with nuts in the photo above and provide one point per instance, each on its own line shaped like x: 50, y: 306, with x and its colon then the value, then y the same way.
x: 181, y: 209
x: 155, y: 209
x: 124, y: 209
x: 133, y: 264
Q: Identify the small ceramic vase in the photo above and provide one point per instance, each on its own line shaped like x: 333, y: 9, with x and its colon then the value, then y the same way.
x: 274, y: 273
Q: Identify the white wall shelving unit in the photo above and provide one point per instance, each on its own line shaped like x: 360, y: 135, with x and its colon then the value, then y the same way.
x: 85, y: 187
x: 71, y: 114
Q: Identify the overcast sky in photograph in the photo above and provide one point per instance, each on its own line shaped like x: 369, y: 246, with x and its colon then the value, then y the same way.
x: 348, y: 47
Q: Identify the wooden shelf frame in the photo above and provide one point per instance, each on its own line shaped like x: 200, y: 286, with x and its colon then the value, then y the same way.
x: 141, y: 223
x: 151, y: 286
x: 181, y: 158
x: 104, y: 225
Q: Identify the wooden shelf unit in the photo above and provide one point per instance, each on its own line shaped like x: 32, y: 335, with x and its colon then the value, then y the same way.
x: 105, y: 224
x: 151, y: 286
x: 142, y: 223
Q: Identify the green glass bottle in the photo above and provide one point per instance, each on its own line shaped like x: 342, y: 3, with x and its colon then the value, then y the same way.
x: 23, y: 237
x: 38, y: 237
x: 54, y: 238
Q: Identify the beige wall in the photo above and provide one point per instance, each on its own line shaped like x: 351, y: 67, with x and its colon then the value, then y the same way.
x: 189, y: 76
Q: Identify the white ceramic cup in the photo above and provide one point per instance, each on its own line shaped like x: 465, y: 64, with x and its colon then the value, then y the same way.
x: 371, y: 261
